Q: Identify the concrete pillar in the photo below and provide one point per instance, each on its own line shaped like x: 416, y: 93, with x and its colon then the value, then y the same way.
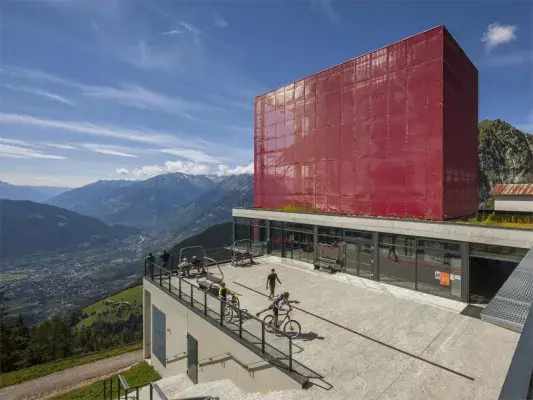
x: 375, y: 255
x: 315, y: 242
x: 465, y: 272
x: 147, y: 324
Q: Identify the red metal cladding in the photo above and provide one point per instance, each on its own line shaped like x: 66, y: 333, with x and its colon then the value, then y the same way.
x: 392, y: 133
x: 513, y: 189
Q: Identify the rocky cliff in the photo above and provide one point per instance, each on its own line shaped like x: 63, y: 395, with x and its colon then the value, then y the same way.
x: 505, y: 156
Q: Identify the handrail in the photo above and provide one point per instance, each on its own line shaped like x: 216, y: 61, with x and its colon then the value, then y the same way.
x: 187, y: 297
x: 228, y: 355
x: 518, y: 383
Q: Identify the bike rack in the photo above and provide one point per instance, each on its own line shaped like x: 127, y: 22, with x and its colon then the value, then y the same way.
x: 329, y: 261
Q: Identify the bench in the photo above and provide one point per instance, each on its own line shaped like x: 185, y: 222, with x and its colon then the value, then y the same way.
x: 210, y: 284
x: 330, y: 264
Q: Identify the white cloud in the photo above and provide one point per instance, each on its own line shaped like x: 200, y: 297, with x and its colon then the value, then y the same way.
x: 191, y: 154
x: 61, y: 146
x: 122, y: 171
x: 118, y: 151
x: 113, y: 153
x: 138, y: 96
x: 225, y: 170
x: 498, y: 34
x: 219, y: 21
x: 192, y: 168
x: 22, y: 152
x: 18, y: 142
x: 172, y: 32
x: 324, y: 6
x: 134, y: 135
x: 41, y: 93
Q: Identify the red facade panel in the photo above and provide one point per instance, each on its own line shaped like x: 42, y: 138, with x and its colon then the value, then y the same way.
x: 390, y: 133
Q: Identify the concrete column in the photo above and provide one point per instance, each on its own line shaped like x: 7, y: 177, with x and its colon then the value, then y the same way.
x: 315, y: 242
x: 147, y: 324
x: 268, y: 236
x: 375, y: 254
x: 465, y: 272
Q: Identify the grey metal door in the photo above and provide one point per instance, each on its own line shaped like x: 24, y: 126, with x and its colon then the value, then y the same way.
x: 192, y: 359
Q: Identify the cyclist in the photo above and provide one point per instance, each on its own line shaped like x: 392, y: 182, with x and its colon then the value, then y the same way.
x: 278, y: 302
x: 223, y: 292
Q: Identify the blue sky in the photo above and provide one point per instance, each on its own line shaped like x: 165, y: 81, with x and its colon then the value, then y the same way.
x: 104, y: 89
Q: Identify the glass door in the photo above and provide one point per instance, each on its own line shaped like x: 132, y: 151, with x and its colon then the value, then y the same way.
x: 352, y: 251
x: 365, y: 260
x: 359, y: 260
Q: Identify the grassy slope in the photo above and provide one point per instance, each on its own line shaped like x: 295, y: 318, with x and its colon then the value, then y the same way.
x: 12, y: 277
x: 139, y: 374
x: 99, y: 308
x: 12, y: 378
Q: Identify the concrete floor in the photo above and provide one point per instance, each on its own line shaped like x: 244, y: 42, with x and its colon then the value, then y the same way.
x: 369, y: 340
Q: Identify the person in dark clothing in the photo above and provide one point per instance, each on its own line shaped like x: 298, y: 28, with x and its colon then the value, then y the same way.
x: 271, y: 282
x: 165, y: 257
x: 151, y: 262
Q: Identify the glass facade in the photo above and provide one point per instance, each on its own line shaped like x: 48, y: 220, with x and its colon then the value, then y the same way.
x: 423, y: 264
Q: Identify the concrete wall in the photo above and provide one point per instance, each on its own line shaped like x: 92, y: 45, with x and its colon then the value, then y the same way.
x: 522, y: 238
x: 513, y: 203
x: 212, y: 343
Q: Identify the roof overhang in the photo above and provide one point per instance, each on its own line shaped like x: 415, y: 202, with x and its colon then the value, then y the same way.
x: 522, y: 238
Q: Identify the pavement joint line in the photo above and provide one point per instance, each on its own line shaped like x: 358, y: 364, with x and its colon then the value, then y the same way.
x: 368, y: 337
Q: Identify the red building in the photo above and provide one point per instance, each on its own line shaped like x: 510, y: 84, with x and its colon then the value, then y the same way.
x: 391, y: 133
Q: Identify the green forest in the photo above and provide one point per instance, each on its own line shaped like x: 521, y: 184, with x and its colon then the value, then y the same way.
x: 58, y: 337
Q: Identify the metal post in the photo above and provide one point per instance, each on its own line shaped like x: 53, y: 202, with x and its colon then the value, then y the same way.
x: 160, y: 277
x: 170, y: 282
x: 137, y: 393
x: 152, y: 271
x: 151, y: 391
x: 118, y: 387
x: 240, y: 323
x: 105, y: 380
x: 205, y: 303
x: 179, y: 287
x: 263, y: 337
x: 221, y: 312
x: 192, y: 294
x: 290, y: 354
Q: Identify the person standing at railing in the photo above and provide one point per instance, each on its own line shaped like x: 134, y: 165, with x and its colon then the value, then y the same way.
x: 165, y: 257
x: 271, y: 282
x: 151, y: 262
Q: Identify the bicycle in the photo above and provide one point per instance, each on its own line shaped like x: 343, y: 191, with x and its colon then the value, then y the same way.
x: 291, y: 326
x: 232, y: 305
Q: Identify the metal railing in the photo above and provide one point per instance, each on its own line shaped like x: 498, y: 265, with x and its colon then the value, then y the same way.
x: 272, y: 344
x: 125, y: 391
x: 518, y: 384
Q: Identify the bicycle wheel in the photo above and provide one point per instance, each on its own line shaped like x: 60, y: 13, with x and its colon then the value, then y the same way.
x: 269, y: 323
x: 228, y: 313
x: 292, y: 328
x: 236, y: 302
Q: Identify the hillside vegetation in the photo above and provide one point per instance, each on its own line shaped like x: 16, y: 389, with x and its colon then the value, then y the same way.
x: 114, y: 308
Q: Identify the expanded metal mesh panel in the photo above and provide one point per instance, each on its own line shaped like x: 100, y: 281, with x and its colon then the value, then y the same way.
x: 366, y: 137
x: 511, y: 305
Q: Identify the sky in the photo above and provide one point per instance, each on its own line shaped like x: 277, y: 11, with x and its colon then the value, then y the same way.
x: 128, y: 89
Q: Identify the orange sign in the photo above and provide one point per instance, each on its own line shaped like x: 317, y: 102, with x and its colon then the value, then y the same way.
x: 445, y: 278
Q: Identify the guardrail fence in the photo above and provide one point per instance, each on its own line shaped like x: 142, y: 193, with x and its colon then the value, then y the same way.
x: 272, y: 343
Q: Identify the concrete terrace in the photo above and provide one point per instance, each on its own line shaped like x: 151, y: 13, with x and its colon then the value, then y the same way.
x: 369, y: 340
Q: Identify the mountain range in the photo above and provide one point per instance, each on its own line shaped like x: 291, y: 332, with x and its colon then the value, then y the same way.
x: 32, y: 193
x: 28, y: 227
x: 137, y: 203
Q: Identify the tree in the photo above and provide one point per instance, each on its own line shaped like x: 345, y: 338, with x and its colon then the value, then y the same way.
x: 7, y: 346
